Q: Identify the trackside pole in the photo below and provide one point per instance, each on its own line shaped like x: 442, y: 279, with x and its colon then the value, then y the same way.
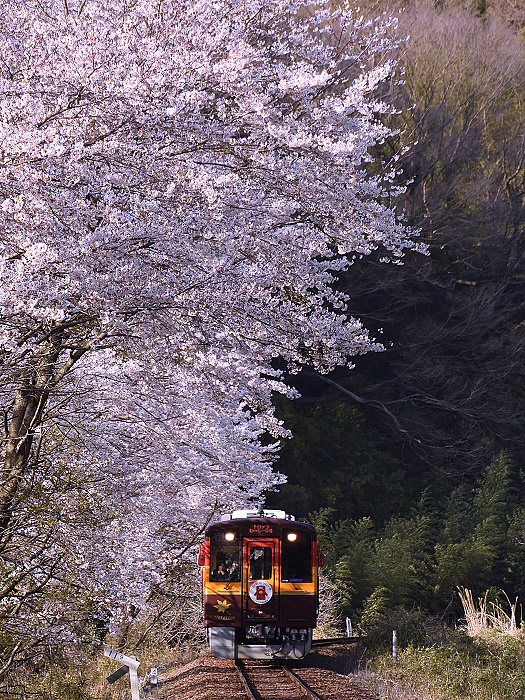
x: 394, y: 645
x: 130, y: 664
x: 134, y: 679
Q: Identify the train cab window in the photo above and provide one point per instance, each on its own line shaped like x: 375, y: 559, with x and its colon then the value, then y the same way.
x: 225, y: 555
x: 296, y: 560
x: 260, y: 562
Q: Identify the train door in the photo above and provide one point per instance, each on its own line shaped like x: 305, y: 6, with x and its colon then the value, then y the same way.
x: 260, y: 582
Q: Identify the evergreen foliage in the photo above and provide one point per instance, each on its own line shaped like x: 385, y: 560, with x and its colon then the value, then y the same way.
x: 473, y: 537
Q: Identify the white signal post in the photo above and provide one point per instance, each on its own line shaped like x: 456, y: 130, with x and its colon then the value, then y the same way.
x: 132, y: 665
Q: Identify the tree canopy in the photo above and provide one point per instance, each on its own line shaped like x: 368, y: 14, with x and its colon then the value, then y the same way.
x: 180, y: 185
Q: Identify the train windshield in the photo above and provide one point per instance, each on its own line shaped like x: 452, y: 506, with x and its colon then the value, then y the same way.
x: 260, y: 562
x: 225, y: 555
x: 296, y: 561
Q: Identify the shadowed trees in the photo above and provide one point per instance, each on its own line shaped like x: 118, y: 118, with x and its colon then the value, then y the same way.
x: 450, y: 387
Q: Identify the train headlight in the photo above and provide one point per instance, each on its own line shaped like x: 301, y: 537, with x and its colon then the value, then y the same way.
x: 291, y: 536
x: 229, y: 536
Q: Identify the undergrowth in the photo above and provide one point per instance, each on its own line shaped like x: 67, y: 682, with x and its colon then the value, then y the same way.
x: 489, y: 668
x: 482, y: 660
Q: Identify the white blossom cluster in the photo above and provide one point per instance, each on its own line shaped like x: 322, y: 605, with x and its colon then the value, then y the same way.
x: 180, y: 182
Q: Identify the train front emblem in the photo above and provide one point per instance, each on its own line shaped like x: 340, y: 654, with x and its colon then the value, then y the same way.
x: 260, y: 592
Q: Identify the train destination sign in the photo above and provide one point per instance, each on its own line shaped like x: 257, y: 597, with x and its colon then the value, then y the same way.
x: 259, y: 529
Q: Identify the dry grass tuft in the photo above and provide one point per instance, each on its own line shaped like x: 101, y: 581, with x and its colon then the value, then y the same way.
x: 488, y: 616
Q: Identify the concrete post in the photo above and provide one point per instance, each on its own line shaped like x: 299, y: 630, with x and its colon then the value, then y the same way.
x: 394, y: 645
x: 133, y: 677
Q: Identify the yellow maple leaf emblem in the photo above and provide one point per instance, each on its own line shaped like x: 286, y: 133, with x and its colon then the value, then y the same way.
x: 222, y: 606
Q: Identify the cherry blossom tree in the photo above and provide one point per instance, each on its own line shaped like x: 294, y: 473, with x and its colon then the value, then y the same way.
x: 180, y: 184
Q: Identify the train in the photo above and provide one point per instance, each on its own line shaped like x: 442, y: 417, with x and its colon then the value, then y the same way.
x: 260, y: 585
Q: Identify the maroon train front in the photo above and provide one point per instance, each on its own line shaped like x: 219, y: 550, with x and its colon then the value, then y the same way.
x: 260, y: 591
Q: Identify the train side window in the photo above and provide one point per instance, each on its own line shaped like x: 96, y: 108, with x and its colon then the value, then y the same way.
x: 296, y: 559
x: 225, y: 555
x: 260, y: 562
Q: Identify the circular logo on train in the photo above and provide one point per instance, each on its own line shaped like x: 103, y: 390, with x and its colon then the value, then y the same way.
x: 260, y: 592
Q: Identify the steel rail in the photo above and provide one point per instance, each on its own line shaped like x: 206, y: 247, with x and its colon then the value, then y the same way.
x: 244, y: 679
x: 335, y: 640
x: 309, y: 692
x: 241, y: 670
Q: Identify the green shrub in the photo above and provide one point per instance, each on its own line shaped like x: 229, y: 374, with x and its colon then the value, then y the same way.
x: 488, y: 668
x: 414, y: 627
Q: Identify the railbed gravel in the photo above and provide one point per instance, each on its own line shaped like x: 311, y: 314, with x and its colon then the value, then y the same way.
x: 328, y: 671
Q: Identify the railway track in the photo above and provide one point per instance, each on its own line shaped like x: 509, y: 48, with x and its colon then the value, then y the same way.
x: 335, y: 640
x: 273, y: 681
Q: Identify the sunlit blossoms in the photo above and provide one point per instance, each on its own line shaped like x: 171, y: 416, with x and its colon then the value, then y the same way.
x: 179, y: 185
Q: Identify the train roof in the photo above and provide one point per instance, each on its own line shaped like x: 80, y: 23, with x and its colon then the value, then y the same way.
x: 260, y: 513
x: 259, y: 522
